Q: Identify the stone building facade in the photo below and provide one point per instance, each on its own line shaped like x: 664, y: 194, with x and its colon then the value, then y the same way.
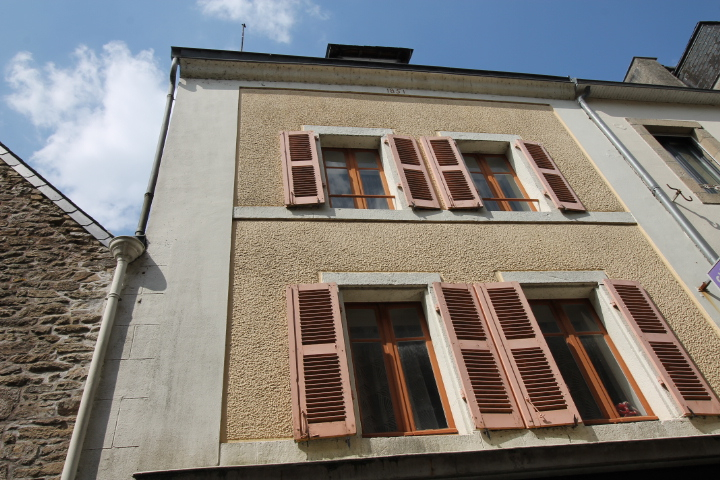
x: 54, y: 272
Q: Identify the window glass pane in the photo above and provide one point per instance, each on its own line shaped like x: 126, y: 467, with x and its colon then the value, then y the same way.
x: 498, y: 164
x: 546, y: 319
x: 338, y: 181
x: 581, y: 318
x: 371, y: 182
x: 376, y: 407
x: 333, y: 158
x: 471, y: 163
x: 366, y: 160
x: 422, y: 389
x: 342, y: 202
x: 509, y: 186
x: 693, y: 160
x: 482, y: 185
x: 406, y: 322
x: 579, y: 390
x: 520, y: 206
x: 362, y: 323
x: 616, y: 383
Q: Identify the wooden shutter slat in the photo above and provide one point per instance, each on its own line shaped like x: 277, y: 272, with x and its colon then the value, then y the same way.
x: 320, y: 382
x: 487, y: 390
x: 526, y: 356
x: 301, y: 169
x: 456, y: 185
x: 556, y: 186
x: 414, y: 178
x: 675, y: 367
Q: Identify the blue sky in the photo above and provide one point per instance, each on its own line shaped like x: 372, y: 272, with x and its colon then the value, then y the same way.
x: 84, y: 82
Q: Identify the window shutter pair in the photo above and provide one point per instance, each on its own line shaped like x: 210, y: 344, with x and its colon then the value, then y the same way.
x: 508, y: 373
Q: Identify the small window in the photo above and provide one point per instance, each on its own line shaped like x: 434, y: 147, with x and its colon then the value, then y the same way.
x: 355, y: 179
x: 691, y: 157
x: 497, y: 183
x: 397, y: 380
x: 599, y: 382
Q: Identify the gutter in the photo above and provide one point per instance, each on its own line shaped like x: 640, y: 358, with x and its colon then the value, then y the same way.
x: 125, y: 249
x: 650, y: 182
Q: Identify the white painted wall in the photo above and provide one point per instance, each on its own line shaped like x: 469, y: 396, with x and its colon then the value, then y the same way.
x: 160, y: 400
x: 674, y: 245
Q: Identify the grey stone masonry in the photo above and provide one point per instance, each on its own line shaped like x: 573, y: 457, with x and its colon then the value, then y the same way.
x: 54, y: 277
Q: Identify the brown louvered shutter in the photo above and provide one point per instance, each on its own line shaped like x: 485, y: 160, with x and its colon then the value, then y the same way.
x: 301, y: 169
x: 414, y: 177
x: 320, y: 384
x: 446, y: 161
x: 487, y: 390
x: 678, y: 372
x: 556, y: 186
x: 525, y: 353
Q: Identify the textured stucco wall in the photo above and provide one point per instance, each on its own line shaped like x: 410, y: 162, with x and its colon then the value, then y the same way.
x: 265, y: 113
x: 269, y: 255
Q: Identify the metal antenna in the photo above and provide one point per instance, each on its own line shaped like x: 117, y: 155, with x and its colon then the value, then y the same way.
x: 242, y: 40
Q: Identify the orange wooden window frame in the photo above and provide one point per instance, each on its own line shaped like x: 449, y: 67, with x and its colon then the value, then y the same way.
x: 582, y: 359
x: 358, y: 194
x: 493, y: 183
x: 396, y: 378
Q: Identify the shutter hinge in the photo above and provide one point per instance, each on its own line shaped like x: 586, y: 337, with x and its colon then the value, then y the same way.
x: 615, y: 305
x: 437, y: 307
x: 487, y: 432
x: 386, y: 142
x: 662, y: 383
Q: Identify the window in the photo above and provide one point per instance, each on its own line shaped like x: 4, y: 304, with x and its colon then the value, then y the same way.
x: 497, y: 183
x: 598, y: 380
x: 691, y: 157
x: 355, y: 179
x: 396, y: 374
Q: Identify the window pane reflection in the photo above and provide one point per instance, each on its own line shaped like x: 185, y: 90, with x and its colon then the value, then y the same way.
x: 424, y: 396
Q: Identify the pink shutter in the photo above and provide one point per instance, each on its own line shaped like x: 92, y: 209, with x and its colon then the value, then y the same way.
x: 556, y: 186
x: 525, y: 353
x: 456, y: 185
x: 678, y: 372
x: 320, y: 382
x: 301, y: 169
x: 487, y: 390
x: 414, y: 177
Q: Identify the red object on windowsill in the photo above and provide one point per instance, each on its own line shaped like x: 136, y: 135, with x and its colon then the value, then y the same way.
x: 626, y: 410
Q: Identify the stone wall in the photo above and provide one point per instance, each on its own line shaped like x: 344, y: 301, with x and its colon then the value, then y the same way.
x: 53, y: 281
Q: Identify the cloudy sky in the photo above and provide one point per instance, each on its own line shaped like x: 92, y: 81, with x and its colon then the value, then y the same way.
x: 83, y: 81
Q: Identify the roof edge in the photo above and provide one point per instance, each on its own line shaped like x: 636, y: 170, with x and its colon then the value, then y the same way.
x: 76, y: 213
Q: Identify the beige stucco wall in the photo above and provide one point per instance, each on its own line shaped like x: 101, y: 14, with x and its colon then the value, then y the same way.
x: 265, y: 113
x: 269, y: 255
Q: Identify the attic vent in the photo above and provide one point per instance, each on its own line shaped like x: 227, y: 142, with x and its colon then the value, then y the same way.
x: 369, y: 54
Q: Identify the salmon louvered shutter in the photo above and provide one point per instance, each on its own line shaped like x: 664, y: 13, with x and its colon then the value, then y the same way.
x: 446, y: 161
x: 522, y: 347
x: 487, y: 390
x: 678, y: 372
x: 320, y: 383
x: 301, y: 169
x: 556, y: 186
x: 414, y: 177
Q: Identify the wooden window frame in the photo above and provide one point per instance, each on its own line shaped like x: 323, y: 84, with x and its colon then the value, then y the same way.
x: 396, y: 378
x: 592, y: 378
x: 495, y: 186
x: 355, y: 181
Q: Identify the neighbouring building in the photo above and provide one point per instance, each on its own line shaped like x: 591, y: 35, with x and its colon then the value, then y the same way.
x: 358, y: 267
x: 54, y: 273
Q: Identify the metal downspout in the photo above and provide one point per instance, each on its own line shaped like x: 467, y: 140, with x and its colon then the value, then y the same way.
x: 150, y: 193
x: 649, y: 181
x: 125, y: 249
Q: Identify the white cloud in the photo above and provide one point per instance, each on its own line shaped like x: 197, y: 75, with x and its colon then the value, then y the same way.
x: 271, y: 18
x: 101, y: 117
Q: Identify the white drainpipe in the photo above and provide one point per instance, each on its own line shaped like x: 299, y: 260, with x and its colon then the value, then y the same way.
x: 125, y: 249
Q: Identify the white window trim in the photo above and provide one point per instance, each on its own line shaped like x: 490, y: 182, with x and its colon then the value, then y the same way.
x: 470, y: 142
x: 589, y: 284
